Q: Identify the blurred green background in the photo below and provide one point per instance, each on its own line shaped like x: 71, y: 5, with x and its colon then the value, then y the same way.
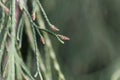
x: 93, y: 53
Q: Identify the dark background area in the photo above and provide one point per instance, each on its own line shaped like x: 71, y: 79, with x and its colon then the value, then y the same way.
x: 93, y: 26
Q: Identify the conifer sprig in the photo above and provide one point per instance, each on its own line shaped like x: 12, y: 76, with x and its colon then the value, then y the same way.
x: 12, y: 27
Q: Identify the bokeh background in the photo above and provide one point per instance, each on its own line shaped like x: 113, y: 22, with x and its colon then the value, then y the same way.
x: 93, y: 53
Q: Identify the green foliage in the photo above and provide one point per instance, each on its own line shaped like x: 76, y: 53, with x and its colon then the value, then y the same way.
x: 16, y: 18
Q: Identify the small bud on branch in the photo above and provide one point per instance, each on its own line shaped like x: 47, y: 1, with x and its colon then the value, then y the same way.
x: 4, y: 8
x: 43, y: 40
x: 54, y: 28
x: 64, y: 37
x: 33, y: 16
